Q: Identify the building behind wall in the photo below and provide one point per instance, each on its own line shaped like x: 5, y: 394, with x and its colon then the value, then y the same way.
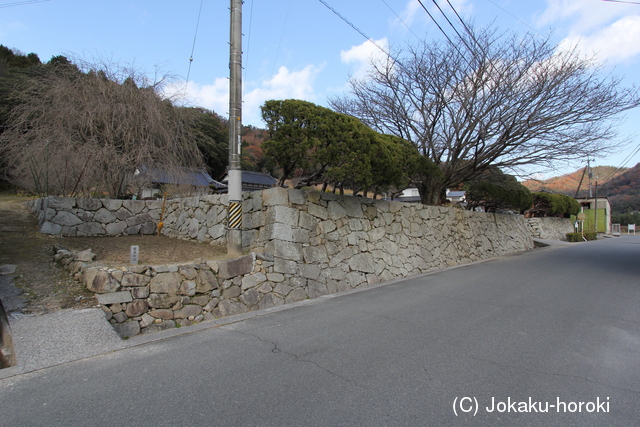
x: 604, y: 214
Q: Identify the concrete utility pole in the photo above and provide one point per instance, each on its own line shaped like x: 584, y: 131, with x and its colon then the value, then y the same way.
x: 234, y: 227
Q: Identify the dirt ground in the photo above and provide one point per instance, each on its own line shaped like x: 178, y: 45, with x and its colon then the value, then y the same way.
x: 48, y: 288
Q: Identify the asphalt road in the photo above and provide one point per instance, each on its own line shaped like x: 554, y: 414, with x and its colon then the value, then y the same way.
x: 555, y: 329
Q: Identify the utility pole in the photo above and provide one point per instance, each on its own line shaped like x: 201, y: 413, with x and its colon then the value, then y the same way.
x: 234, y: 226
x: 596, y: 211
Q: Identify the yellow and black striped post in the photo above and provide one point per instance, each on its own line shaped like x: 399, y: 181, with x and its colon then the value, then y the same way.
x: 235, y: 215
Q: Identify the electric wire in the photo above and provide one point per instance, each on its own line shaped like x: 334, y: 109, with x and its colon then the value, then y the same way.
x: 21, y: 3
x: 400, y: 19
x: 284, y: 25
x: 246, y: 60
x: 193, y: 48
x: 622, y: 1
x: 623, y: 163
x: 354, y: 27
x: 514, y: 17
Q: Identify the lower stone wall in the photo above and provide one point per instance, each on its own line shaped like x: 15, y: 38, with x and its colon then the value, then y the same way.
x: 549, y: 228
x: 140, y: 299
x: 304, y: 244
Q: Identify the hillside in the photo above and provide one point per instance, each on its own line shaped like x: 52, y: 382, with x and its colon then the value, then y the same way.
x: 568, y: 184
x: 623, y: 191
x: 622, y: 187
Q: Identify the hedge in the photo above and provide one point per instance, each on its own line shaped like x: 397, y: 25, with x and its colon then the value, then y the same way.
x: 577, y: 237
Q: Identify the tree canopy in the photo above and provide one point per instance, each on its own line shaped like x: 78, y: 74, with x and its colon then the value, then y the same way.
x: 79, y: 130
x: 489, y: 99
x: 494, y: 190
x: 332, y: 148
x: 548, y: 204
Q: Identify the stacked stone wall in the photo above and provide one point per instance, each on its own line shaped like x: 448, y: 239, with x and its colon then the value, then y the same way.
x: 67, y: 216
x: 549, y: 228
x: 304, y: 245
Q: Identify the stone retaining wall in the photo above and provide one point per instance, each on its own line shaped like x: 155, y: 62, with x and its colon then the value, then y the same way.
x: 68, y: 216
x: 304, y: 245
x: 549, y: 228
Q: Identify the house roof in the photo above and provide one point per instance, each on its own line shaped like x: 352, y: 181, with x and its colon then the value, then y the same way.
x: 456, y: 193
x: 255, y: 178
x: 189, y: 176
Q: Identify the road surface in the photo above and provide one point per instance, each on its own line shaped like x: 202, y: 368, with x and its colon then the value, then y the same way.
x: 547, y: 337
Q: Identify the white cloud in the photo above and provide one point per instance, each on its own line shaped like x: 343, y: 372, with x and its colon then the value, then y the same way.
x: 361, y: 56
x: 285, y: 84
x: 615, y: 43
x: 609, y: 31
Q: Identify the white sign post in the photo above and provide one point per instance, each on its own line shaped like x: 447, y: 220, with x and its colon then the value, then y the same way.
x: 133, y: 254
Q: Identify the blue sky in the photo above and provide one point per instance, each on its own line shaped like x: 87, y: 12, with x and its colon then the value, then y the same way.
x: 300, y: 48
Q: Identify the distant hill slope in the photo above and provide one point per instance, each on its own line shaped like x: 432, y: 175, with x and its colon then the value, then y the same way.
x: 623, y: 191
x: 622, y: 187
x: 568, y: 184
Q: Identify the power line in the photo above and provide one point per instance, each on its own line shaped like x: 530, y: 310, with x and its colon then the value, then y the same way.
x: 624, y: 162
x: 513, y: 16
x: 404, y: 23
x: 246, y: 61
x: 22, y: 3
x: 353, y: 26
x: 284, y: 25
x: 193, y: 47
x: 622, y: 1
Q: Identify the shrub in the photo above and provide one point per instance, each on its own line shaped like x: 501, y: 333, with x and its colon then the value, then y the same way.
x: 555, y: 204
x: 577, y: 237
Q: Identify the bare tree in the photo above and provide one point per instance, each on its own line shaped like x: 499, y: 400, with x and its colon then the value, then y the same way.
x: 490, y: 99
x: 79, y: 133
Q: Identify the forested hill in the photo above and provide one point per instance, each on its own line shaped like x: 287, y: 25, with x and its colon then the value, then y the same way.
x: 621, y: 186
x: 623, y: 191
x: 568, y: 184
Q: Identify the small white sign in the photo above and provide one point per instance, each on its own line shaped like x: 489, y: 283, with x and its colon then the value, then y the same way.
x: 135, y: 251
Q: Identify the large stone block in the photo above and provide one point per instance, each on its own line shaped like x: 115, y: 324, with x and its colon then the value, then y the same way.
x: 134, y: 206
x: 127, y: 329
x: 104, y: 216
x: 315, y: 254
x: 228, y: 269
x: 91, y: 229
x: 336, y: 210
x: 61, y: 203
x: 277, y: 196
x: 157, y: 327
x: 276, y: 231
x: 112, y: 204
x: 187, y: 311
x: 136, y: 308
x: 115, y: 298
x: 89, y: 204
x: 282, y: 214
x: 316, y: 289
x: 66, y: 219
x: 250, y: 297
x: 230, y: 308
x: 101, y: 282
x: 297, y: 197
x: 285, y: 266
x: 162, y: 300
x: 50, y: 228
x: 270, y: 300
x: 132, y: 279
x: 318, y: 211
x: 286, y: 250
x: 166, y: 283
x: 115, y: 228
